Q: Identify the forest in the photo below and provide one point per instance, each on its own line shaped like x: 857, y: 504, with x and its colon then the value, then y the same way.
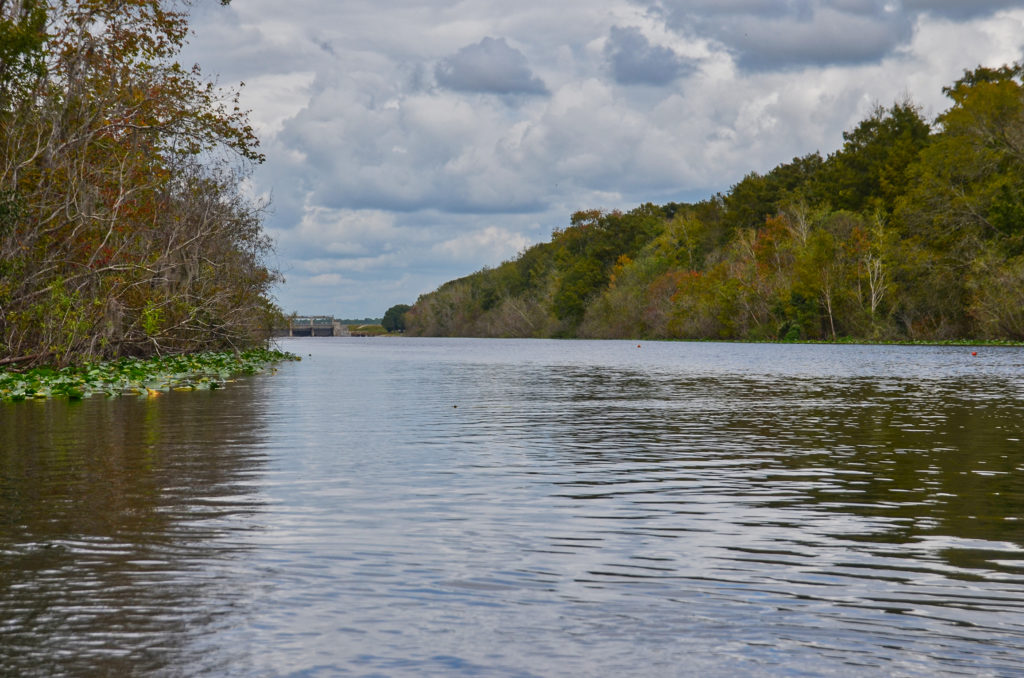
x: 125, y: 229
x: 913, y: 230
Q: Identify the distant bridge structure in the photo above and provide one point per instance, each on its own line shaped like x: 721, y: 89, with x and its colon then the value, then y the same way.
x: 314, y: 326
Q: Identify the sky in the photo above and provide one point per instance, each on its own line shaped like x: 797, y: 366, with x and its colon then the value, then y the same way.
x: 409, y: 143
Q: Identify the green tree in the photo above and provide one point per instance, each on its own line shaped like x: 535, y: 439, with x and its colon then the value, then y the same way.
x: 394, y: 318
x: 757, y: 197
x: 22, y: 37
x: 827, y: 270
x: 965, y: 206
x: 870, y: 170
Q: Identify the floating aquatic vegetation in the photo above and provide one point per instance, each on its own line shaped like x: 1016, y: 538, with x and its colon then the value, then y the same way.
x: 138, y: 376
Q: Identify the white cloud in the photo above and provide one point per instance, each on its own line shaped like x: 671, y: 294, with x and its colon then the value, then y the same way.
x: 325, y: 280
x: 343, y: 234
x: 492, y: 242
x: 276, y: 98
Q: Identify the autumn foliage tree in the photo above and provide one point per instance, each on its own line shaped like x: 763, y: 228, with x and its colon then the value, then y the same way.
x: 124, y: 228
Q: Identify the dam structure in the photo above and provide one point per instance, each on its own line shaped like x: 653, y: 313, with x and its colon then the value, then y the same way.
x: 314, y: 326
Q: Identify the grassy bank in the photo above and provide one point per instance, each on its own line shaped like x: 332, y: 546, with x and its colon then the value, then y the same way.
x: 139, y: 377
x: 367, y: 330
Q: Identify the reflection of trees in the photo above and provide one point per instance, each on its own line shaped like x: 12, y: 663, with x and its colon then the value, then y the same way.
x: 932, y: 460
x: 923, y: 458
x: 103, y: 505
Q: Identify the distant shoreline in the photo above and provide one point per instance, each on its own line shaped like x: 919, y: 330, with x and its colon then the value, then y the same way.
x: 966, y: 343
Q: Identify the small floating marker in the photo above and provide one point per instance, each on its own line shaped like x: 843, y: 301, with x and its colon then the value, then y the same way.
x: 638, y: 345
x: 974, y: 353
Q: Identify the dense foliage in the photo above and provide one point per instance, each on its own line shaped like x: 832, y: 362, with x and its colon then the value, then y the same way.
x: 124, y: 226
x: 910, y: 231
x: 394, y: 318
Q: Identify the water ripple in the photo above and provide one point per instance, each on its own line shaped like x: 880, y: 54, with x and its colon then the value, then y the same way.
x: 527, y: 508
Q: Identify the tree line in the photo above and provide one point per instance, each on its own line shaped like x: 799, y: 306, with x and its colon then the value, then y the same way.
x: 125, y: 228
x: 912, y: 230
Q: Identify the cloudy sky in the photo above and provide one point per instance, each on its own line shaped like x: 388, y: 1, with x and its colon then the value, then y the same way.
x: 410, y: 142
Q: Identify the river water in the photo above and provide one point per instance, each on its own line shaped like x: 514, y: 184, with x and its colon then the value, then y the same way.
x: 459, y: 507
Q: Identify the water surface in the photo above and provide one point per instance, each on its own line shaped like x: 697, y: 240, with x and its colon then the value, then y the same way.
x: 527, y: 508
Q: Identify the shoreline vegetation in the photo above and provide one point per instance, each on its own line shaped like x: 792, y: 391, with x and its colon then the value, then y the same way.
x: 126, y: 228
x: 138, y: 377
x: 911, y: 232
x: 368, y: 330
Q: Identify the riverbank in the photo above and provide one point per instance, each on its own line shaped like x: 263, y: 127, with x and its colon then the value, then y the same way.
x: 139, y: 377
x: 855, y: 341
x: 839, y: 341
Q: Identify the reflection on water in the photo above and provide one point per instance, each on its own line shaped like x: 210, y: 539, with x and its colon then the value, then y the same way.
x: 440, y: 507
x: 117, y: 522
